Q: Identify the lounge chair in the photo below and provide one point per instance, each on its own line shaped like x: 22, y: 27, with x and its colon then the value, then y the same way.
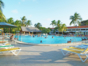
x: 6, y: 43
x: 14, y: 50
x: 2, y: 41
x: 75, y: 50
x: 6, y: 46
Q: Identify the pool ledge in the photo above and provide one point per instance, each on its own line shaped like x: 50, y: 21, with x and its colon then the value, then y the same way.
x: 62, y: 44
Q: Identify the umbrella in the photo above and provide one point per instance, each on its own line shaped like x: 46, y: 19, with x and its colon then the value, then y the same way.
x: 6, y: 25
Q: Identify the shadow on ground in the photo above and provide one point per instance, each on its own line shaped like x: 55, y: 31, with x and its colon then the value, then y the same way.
x: 51, y: 58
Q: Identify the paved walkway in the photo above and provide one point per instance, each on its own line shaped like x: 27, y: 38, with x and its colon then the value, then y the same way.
x: 40, y: 56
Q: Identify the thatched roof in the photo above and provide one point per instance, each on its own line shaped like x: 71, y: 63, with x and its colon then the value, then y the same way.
x: 30, y: 29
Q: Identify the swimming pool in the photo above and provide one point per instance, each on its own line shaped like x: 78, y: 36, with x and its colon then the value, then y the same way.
x: 47, y: 39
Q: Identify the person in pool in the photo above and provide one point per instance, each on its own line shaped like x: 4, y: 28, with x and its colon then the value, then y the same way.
x: 41, y: 41
x: 52, y: 37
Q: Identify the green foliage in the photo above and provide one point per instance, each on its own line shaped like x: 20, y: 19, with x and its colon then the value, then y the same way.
x: 76, y: 19
x: 1, y: 4
x: 45, y: 30
x: 23, y: 21
x: 84, y: 22
x: 10, y: 20
x: 53, y: 23
x: 38, y: 25
x: 28, y: 23
x: 60, y: 27
x: 18, y: 24
x: 41, y: 28
x: 2, y: 17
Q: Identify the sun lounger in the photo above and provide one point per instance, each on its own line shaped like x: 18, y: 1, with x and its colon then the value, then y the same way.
x: 6, y: 43
x: 75, y: 50
x: 82, y: 46
x: 2, y: 41
x: 6, y: 46
x: 14, y: 50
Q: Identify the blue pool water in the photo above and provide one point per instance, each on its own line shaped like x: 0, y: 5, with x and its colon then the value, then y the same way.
x: 48, y: 40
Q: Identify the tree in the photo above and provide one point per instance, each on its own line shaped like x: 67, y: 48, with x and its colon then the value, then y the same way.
x: 10, y: 20
x: 2, y: 17
x: 41, y: 28
x: 1, y: 5
x: 38, y: 25
x: 18, y: 24
x: 58, y: 24
x: 60, y: 27
x: 45, y: 30
x: 23, y: 21
x: 53, y: 23
x: 28, y: 23
x: 76, y: 19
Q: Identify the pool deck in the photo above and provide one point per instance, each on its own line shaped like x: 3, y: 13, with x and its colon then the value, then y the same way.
x: 31, y: 55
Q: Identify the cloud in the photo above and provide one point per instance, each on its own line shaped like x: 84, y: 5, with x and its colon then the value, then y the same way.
x: 30, y: 15
x: 15, y: 11
x: 48, y: 19
x: 19, y: 3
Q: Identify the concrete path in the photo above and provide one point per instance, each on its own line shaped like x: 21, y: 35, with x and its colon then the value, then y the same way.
x: 40, y: 56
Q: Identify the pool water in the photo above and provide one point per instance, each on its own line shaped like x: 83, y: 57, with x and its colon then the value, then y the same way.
x: 47, y: 39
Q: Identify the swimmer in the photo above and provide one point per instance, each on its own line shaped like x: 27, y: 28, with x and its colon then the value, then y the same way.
x: 33, y: 36
x: 45, y: 37
x: 52, y: 37
x: 41, y: 41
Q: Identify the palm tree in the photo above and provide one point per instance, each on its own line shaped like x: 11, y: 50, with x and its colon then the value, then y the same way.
x: 76, y: 19
x: 18, y: 24
x: 1, y: 4
x: 28, y: 23
x: 2, y: 17
x: 53, y: 23
x: 10, y: 20
x: 23, y: 20
x: 38, y: 25
x: 58, y: 23
x: 62, y: 28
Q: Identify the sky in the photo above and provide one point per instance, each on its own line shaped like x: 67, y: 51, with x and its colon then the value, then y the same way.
x: 45, y: 11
